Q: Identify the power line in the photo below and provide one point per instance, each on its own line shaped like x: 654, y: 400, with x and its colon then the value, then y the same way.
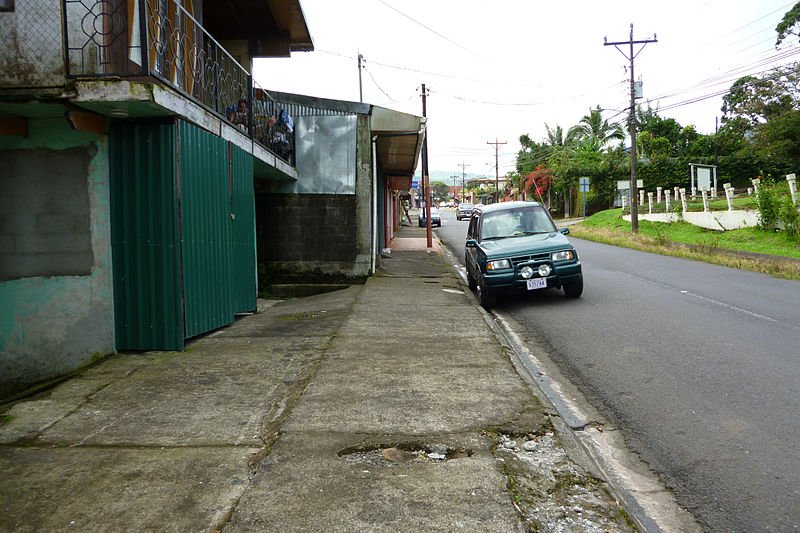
x: 415, y: 21
x: 716, y: 93
x: 780, y: 9
x: 378, y: 85
x: 734, y: 73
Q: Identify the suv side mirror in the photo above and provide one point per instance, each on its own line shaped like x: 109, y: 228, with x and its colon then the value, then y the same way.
x: 564, y: 231
x: 471, y: 243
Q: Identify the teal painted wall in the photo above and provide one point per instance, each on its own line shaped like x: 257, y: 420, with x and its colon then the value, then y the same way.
x: 52, y: 325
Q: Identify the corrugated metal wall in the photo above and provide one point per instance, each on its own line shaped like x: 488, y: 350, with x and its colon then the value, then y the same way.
x: 183, y: 233
x: 244, y: 283
x: 205, y: 211
x: 274, y: 107
x: 145, y: 237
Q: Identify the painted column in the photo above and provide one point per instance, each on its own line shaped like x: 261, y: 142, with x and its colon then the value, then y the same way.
x: 683, y: 200
x: 705, y: 200
x: 658, y: 194
x: 650, y: 203
x: 792, y: 179
x: 666, y: 201
x: 728, y: 195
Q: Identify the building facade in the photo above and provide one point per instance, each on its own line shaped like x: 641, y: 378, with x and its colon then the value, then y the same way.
x: 132, y: 142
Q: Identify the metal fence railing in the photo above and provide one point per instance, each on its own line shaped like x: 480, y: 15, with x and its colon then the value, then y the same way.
x: 161, y: 39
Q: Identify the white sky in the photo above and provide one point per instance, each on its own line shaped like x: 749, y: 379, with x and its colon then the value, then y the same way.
x: 497, y: 70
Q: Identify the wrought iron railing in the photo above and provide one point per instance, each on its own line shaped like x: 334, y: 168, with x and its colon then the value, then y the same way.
x: 160, y: 38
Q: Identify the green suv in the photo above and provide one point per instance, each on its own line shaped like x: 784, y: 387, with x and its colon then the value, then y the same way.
x: 515, y: 246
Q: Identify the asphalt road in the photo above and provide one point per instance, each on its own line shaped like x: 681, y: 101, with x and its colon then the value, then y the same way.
x: 699, y: 365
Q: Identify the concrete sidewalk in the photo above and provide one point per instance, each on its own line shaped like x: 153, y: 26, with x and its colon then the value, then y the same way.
x: 385, y: 407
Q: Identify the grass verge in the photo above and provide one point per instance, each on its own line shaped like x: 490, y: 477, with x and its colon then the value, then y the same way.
x: 747, y: 249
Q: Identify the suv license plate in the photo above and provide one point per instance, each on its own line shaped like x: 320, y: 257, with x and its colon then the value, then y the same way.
x: 538, y: 283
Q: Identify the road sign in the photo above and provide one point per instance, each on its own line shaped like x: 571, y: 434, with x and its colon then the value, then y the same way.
x: 584, y: 183
x: 415, y: 184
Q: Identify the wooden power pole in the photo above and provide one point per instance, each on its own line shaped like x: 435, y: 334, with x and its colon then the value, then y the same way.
x: 463, y: 185
x: 496, y: 168
x: 630, y: 56
x: 426, y: 186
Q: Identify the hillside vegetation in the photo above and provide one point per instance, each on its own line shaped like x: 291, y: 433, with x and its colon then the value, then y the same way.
x: 773, y: 253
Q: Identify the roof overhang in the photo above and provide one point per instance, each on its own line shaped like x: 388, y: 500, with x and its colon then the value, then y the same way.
x: 272, y: 28
x: 398, y: 139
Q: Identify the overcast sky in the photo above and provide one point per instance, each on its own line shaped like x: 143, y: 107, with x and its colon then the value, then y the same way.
x: 497, y: 70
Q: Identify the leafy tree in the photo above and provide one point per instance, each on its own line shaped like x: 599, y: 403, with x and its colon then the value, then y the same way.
x: 439, y: 190
x: 778, y: 143
x: 788, y: 24
x: 652, y: 126
x: 651, y: 146
x: 538, y: 180
x: 761, y: 98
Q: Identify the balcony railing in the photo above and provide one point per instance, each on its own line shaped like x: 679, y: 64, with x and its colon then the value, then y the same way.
x: 161, y: 39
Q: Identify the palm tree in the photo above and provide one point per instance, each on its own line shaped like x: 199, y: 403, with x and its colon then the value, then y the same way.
x: 556, y: 137
x: 594, y: 133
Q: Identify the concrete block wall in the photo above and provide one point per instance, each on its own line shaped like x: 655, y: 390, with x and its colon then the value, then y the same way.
x: 308, y: 238
x: 44, y: 214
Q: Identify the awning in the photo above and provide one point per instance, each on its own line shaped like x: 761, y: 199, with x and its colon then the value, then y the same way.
x: 398, y: 138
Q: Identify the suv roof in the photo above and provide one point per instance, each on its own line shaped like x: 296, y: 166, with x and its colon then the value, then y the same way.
x: 506, y: 205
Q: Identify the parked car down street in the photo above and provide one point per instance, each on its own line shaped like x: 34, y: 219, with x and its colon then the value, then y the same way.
x: 436, y: 219
x: 464, y: 210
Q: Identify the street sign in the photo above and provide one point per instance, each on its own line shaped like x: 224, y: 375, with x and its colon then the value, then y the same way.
x: 584, y: 183
x: 414, y: 184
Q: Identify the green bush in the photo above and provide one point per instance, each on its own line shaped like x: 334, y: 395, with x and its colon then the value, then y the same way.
x: 789, y: 216
x: 677, y: 208
x: 768, y: 205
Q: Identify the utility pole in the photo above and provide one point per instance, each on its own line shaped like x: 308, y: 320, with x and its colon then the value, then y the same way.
x: 463, y: 185
x: 496, y: 168
x: 716, y: 149
x: 632, y: 120
x: 455, y: 187
x: 360, y: 89
x: 426, y: 187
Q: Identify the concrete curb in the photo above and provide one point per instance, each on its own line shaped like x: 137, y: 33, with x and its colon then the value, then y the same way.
x: 599, y: 449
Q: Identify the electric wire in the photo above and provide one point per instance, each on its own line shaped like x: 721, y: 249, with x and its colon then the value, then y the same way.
x: 377, y: 84
x: 415, y: 21
x: 747, y: 68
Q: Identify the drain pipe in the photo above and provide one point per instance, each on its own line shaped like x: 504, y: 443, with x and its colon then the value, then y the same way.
x: 374, y: 210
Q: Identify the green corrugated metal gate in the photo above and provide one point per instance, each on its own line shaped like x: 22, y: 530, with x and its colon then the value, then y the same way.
x: 182, y: 231
x: 243, y: 241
